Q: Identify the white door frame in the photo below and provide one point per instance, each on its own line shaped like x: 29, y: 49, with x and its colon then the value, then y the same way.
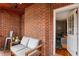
x: 69, y: 7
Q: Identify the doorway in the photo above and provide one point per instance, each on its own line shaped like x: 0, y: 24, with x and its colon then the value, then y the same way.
x: 62, y: 38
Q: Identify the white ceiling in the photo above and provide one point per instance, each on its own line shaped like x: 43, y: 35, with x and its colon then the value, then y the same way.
x: 62, y: 15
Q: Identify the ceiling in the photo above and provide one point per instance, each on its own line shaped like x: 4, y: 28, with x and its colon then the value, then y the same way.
x: 14, y: 7
x: 62, y: 15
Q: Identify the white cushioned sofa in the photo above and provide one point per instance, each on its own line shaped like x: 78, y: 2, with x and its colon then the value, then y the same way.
x: 28, y: 46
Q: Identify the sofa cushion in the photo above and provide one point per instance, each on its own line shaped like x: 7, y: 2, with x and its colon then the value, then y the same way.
x: 22, y: 52
x: 25, y: 40
x: 33, y: 43
x: 16, y: 48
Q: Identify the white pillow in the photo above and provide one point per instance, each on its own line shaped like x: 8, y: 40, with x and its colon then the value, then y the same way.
x: 25, y: 41
x: 33, y: 43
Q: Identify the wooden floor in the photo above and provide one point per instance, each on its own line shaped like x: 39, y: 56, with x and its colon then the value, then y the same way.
x: 5, y: 53
x: 62, y: 52
x: 59, y: 52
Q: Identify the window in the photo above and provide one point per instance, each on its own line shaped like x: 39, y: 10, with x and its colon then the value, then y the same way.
x: 71, y: 25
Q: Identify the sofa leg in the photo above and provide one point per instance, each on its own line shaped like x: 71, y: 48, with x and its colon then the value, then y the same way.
x: 12, y: 54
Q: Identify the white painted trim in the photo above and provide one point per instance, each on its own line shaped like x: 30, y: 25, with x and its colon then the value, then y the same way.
x: 54, y: 31
x: 69, y: 7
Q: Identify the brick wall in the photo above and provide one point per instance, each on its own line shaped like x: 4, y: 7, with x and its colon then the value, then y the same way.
x: 8, y: 21
x: 36, y: 24
x: 22, y: 24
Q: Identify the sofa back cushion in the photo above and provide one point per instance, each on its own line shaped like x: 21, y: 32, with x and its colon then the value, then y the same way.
x: 25, y: 41
x: 33, y: 43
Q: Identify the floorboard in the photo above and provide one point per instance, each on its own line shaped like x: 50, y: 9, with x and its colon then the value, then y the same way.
x: 62, y: 52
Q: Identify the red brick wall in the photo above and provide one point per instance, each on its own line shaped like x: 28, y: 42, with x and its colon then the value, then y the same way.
x: 36, y: 24
x: 22, y: 24
x: 8, y: 21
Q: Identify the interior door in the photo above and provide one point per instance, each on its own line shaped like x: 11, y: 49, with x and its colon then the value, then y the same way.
x: 72, y: 26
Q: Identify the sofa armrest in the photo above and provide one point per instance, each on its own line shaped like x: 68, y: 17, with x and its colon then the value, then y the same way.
x: 30, y: 51
x: 34, y: 53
